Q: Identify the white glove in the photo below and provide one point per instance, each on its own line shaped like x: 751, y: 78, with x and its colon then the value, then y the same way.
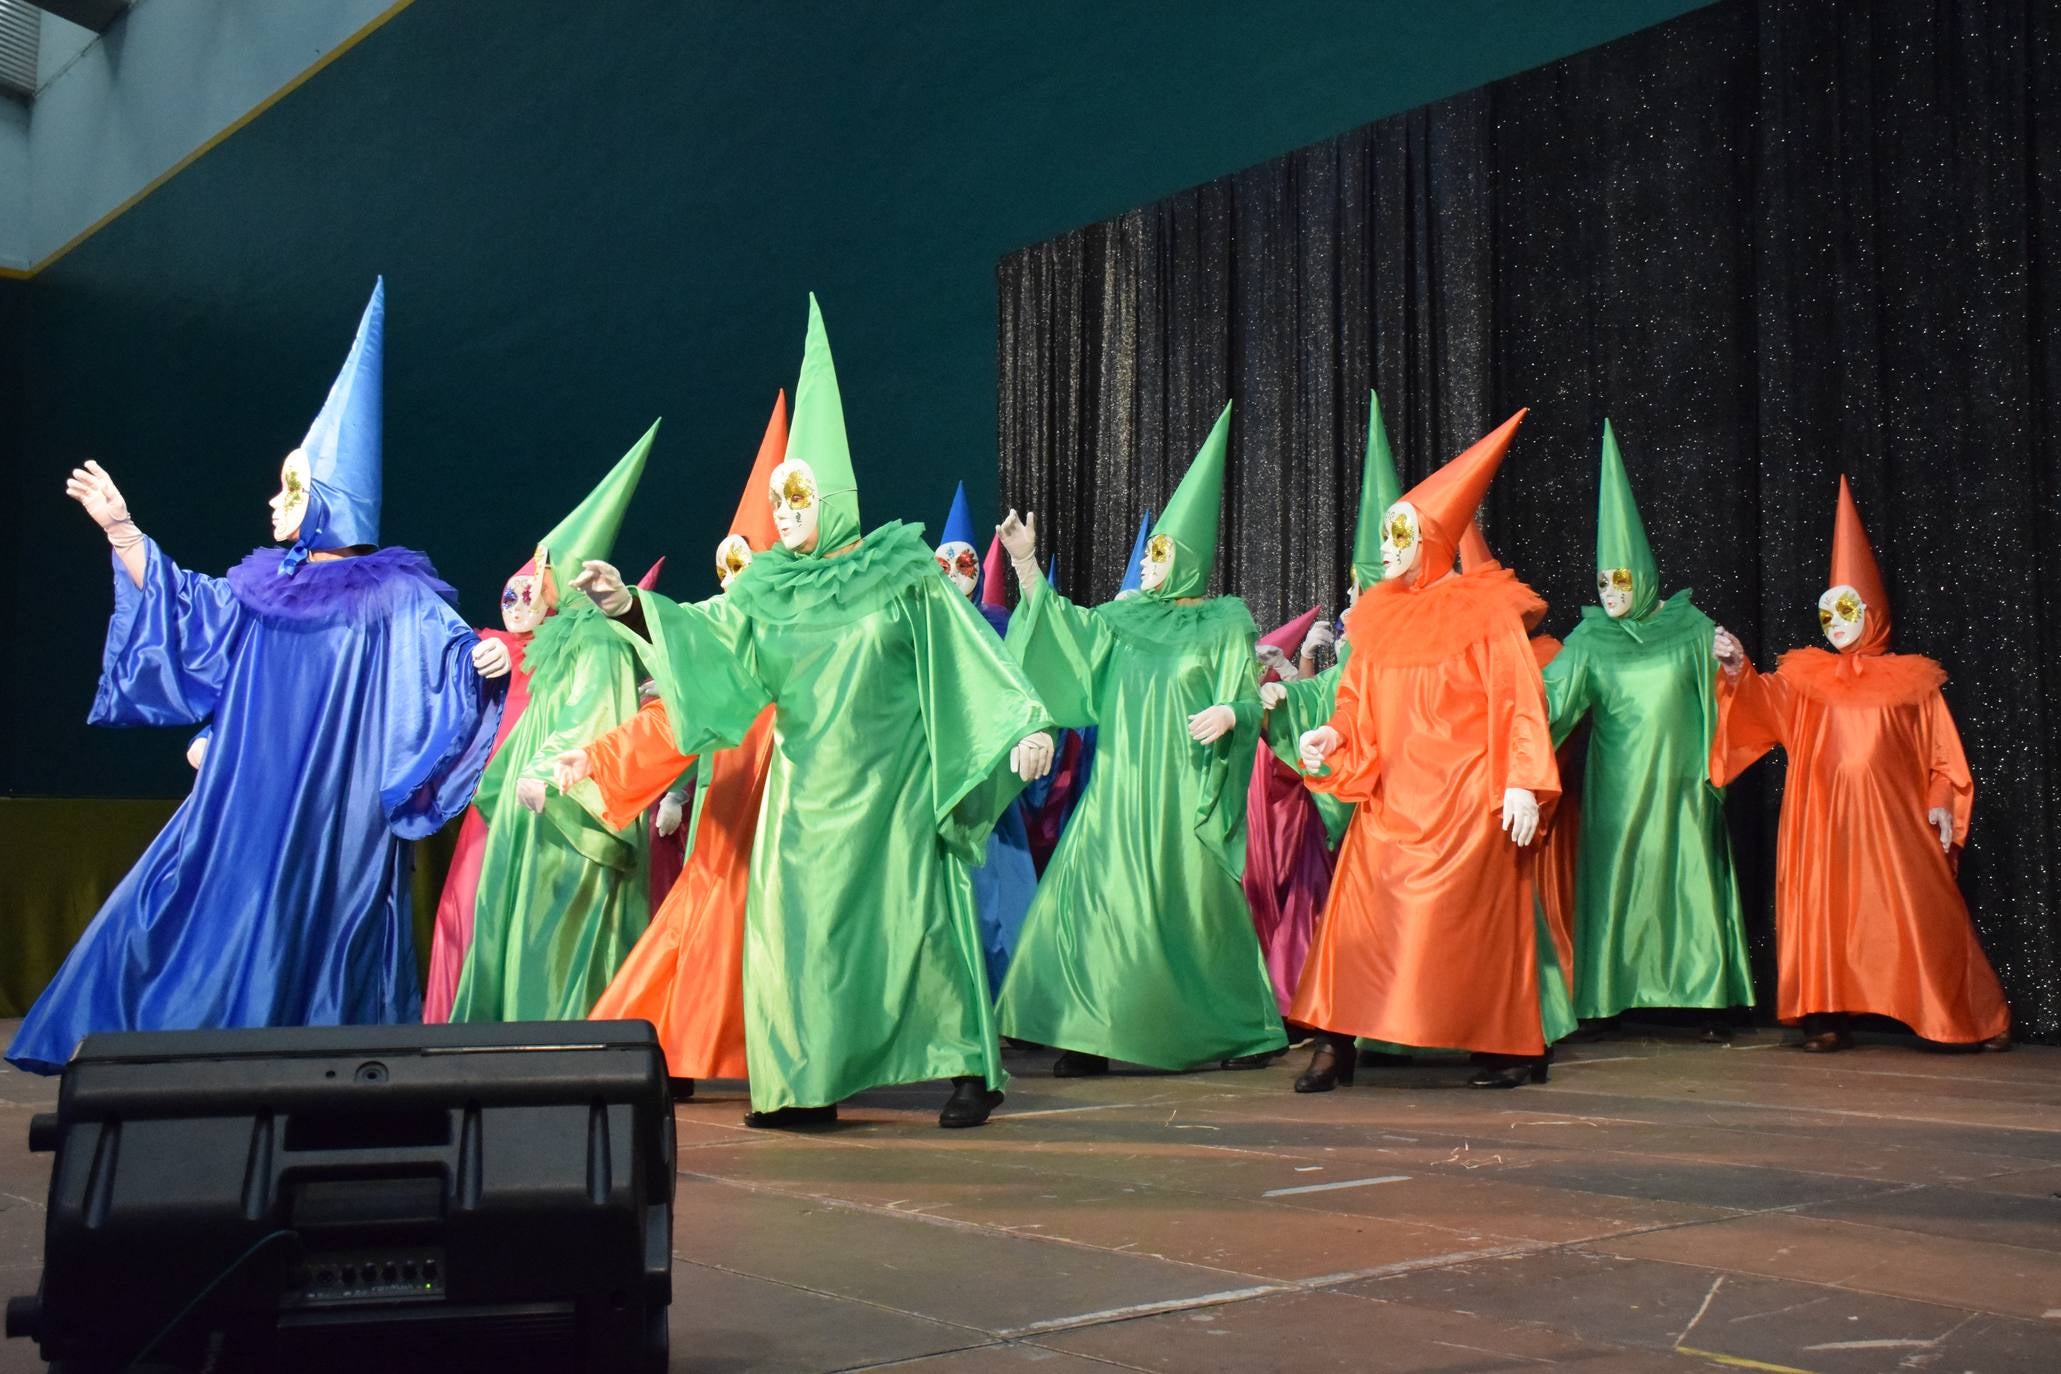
x: 570, y: 769
x: 1316, y: 745
x: 672, y: 809
x: 1211, y: 724
x: 1520, y: 815
x: 1941, y: 818
x: 647, y: 691
x: 1019, y: 536
x: 1031, y: 759
x: 531, y: 793
x: 94, y: 490
x: 1729, y: 652
x: 1321, y: 636
x: 1273, y: 658
x: 604, y: 587
x: 491, y: 659
x: 197, y: 751
x: 1272, y: 694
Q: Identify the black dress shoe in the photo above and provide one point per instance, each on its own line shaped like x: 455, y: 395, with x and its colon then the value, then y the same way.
x: 792, y: 1118
x: 1251, y: 1061
x: 1331, y: 1064
x: 1074, y: 1064
x: 682, y: 1088
x: 971, y: 1101
x: 1385, y: 1059
x: 1826, y: 1042
x: 1512, y: 1072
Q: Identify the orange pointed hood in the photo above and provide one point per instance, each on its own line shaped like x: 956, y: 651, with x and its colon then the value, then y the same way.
x: 1475, y: 553
x: 1853, y: 565
x: 754, y: 518
x: 1446, y: 500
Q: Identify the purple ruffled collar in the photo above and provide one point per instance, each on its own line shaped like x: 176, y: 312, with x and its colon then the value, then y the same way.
x: 347, y: 589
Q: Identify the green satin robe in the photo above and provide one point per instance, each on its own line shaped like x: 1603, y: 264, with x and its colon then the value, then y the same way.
x: 895, y: 710
x: 1139, y: 944
x: 1311, y: 702
x: 1657, y: 918
x: 562, y: 898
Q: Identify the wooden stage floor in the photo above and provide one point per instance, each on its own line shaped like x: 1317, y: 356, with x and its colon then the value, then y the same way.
x: 1660, y: 1205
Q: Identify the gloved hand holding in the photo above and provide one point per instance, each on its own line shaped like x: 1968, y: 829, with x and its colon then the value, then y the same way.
x: 1942, y: 821
x: 1729, y: 652
x: 570, y: 769
x: 1520, y: 815
x: 531, y: 792
x: 491, y: 659
x: 1031, y: 759
x: 1317, y: 745
x: 604, y: 587
x: 1211, y: 724
x: 672, y: 809
x: 1272, y: 694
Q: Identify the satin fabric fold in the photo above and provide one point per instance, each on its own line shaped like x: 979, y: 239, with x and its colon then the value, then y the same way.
x: 1139, y: 945
x: 1288, y: 864
x: 1868, y: 915
x: 686, y: 975
x: 346, y: 718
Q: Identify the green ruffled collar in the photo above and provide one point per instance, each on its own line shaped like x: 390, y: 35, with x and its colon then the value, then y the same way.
x: 791, y: 588
x: 1678, y: 617
x: 573, y: 630
x: 1157, y: 623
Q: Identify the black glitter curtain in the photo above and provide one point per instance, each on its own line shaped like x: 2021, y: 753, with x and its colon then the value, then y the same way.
x: 1771, y: 241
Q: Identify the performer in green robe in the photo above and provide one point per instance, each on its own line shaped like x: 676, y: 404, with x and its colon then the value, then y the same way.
x: 562, y: 897
x: 1139, y: 945
x: 901, y: 731
x: 1657, y: 920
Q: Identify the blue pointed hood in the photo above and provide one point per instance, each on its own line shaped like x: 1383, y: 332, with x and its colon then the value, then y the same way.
x: 1133, y: 572
x: 958, y: 527
x: 343, y: 445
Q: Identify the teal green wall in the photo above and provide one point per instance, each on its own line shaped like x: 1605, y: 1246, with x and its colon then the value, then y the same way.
x: 591, y: 214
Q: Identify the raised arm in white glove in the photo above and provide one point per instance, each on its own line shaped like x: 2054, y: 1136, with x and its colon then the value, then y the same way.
x: 1520, y: 815
x: 1273, y: 658
x: 672, y: 809
x: 1020, y: 541
x: 102, y: 500
x: 604, y: 587
x: 1031, y: 758
x: 491, y: 659
x: 1321, y: 636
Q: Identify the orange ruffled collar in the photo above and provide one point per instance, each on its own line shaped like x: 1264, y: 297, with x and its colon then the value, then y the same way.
x: 1400, y: 627
x: 1861, y: 679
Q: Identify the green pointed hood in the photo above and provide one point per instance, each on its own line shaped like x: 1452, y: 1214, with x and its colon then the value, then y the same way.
x: 816, y: 436
x: 1620, y: 534
x: 1380, y: 488
x: 589, y: 532
x: 1190, y: 517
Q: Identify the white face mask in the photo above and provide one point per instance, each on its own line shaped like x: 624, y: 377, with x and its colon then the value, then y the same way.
x: 525, y: 600
x: 1402, y: 542
x: 733, y: 556
x: 795, y: 511
x: 290, y: 503
x: 1614, y: 590
x: 1158, y: 563
x: 1842, y: 615
x: 957, y: 561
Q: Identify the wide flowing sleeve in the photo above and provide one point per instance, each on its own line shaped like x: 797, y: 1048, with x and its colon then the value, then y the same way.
x: 170, y: 645
x: 1568, y: 690
x: 1752, y: 718
x: 440, y: 716
x: 976, y: 704
x: 704, y: 660
x: 1352, y: 772
x: 635, y: 764
x: 1949, y: 783
x: 1227, y: 764
x: 1063, y: 649
x: 1520, y: 734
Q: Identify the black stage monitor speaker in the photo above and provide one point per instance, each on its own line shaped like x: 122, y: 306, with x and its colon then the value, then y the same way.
x: 359, y: 1198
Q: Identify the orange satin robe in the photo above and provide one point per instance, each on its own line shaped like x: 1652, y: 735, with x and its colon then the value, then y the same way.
x: 1428, y: 938
x: 1560, y: 840
x: 1868, y: 917
x: 686, y: 973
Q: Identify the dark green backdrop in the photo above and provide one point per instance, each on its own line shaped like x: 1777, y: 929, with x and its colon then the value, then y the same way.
x: 592, y: 214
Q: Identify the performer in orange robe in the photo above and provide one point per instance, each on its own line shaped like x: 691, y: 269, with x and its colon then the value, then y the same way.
x: 1868, y: 917
x: 686, y: 974
x: 1441, y: 738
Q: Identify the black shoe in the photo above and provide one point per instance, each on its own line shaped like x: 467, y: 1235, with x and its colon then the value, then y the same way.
x: 1512, y: 1072
x: 1251, y: 1061
x: 792, y: 1118
x: 682, y: 1088
x: 1074, y: 1064
x: 971, y: 1101
x: 1331, y: 1065
x: 1385, y: 1059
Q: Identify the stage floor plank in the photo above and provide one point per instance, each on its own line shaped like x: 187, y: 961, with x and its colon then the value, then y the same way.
x: 1660, y: 1204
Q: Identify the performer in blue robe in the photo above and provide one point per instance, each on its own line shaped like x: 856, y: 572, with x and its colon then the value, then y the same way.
x: 1004, y: 885
x: 346, y: 716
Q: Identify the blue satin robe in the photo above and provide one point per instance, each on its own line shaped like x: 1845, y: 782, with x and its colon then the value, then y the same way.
x: 1004, y: 885
x: 346, y: 718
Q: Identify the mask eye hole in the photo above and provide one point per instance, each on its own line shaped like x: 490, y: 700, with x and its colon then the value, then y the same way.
x: 1621, y: 580
x: 798, y: 492
x: 1824, y: 618
x: 1849, y: 608
x: 1160, y: 549
x: 509, y: 596
x: 1399, y: 531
